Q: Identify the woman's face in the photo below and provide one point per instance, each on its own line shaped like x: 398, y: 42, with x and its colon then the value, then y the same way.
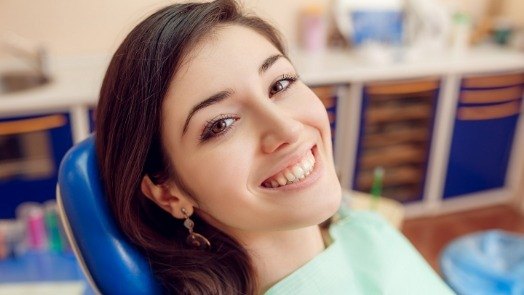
x: 249, y: 140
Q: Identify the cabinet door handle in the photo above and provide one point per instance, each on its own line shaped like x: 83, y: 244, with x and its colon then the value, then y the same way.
x: 32, y: 124
x: 479, y: 113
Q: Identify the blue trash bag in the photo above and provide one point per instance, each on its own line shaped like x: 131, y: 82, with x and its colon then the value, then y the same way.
x: 489, y: 262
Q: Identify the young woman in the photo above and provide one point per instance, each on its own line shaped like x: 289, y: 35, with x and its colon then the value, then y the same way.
x: 217, y: 163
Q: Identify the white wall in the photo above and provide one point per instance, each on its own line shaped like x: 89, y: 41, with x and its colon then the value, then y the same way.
x: 73, y: 27
x: 514, y: 9
x: 87, y: 27
x: 90, y: 27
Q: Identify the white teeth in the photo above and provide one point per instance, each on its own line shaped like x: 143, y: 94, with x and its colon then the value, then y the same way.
x: 281, y: 179
x: 306, y: 165
x: 293, y: 174
x: 298, y: 171
x: 289, y: 176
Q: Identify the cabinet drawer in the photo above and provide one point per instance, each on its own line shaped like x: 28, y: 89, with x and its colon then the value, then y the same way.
x: 479, y: 155
x: 493, y: 81
x: 404, y: 87
x: 32, y: 124
x: 394, y: 176
x: 391, y: 156
x: 393, y: 137
x: 28, y: 174
x: 491, y: 95
x: 476, y: 113
x: 395, y: 134
x: 407, y: 113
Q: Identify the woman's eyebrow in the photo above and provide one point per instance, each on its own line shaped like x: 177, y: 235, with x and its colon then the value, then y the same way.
x: 218, y: 97
x: 268, y: 63
x: 213, y: 99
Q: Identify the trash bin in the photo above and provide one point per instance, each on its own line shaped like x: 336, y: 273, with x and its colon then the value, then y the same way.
x: 488, y: 262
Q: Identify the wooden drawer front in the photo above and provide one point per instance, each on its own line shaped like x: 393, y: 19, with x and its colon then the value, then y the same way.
x: 392, y: 156
x: 328, y: 96
x: 384, y: 115
x: 32, y: 124
x: 405, y: 87
x: 397, y: 121
x: 395, y: 176
x: 477, y: 113
x: 493, y: 81
x: 401, y: 98
x: 399, y: 136
x: 491, y: 95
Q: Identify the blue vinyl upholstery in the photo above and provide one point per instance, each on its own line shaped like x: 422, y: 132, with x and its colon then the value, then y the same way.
x: 112, y: 263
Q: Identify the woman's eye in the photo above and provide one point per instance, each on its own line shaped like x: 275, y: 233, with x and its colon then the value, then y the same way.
x: 282, y: 84
x: 221, y: 125
x: 217, y: 127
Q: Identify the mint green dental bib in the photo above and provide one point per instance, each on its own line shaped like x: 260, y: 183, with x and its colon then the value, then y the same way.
x: 369, y: 257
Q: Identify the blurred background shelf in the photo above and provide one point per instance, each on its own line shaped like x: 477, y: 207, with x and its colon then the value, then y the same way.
x: 397, y: 120
x: 447, y: 131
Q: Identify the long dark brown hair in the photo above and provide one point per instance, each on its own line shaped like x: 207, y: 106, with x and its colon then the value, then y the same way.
x: 129, y: 146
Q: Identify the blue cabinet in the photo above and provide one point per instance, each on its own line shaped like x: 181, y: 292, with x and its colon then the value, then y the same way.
x: 30, y: 172
x: 488, y: 110
x: 396, y: 126
x: 328, y: 96
x: 91, y: 113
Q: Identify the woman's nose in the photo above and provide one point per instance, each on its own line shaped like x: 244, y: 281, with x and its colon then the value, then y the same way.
x: 280, y: 130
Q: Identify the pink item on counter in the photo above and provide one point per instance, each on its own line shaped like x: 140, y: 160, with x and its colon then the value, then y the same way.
x: 313, y: 29
x: 36, y: 232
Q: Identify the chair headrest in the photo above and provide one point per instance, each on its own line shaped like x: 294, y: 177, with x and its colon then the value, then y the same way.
x: 115, y: 265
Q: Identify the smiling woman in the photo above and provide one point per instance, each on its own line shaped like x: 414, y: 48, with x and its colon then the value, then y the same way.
x: 217, y: 160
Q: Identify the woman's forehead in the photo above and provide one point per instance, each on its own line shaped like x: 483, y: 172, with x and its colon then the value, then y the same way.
x: 228, y: 47
x: 225, y: 56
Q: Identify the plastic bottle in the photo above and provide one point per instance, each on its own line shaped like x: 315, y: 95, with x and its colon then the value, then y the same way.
x: 461, y: 33
x: 313, y: 29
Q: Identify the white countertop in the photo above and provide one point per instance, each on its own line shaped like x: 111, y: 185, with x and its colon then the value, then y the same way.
x: 350, y: 66
x: 78, y: 82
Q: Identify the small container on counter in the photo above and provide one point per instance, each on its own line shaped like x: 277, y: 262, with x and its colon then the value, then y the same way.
x: 11, y: 238
x: 313, y: 29
x: 32, y: 215
x: 53, y: 227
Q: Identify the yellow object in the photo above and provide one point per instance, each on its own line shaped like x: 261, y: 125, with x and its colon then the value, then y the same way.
x: 391, y: 210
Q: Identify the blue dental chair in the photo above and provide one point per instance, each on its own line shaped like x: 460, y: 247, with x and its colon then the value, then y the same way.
x: 111, y: 264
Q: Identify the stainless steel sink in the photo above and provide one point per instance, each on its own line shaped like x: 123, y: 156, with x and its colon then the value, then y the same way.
x: 19, y: 81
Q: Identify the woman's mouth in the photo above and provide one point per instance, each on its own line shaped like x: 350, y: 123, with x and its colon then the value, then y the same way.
x: 292, y: 174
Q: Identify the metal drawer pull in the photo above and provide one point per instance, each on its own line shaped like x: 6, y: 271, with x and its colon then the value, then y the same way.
x: 32, y: 125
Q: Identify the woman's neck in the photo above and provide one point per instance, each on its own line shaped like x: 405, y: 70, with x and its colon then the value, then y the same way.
x: 278, y: 254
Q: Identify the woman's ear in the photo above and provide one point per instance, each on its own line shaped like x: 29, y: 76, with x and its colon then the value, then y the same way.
x: 169, y: 199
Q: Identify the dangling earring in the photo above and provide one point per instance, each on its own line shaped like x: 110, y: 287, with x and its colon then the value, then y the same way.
x: 194, y: 240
